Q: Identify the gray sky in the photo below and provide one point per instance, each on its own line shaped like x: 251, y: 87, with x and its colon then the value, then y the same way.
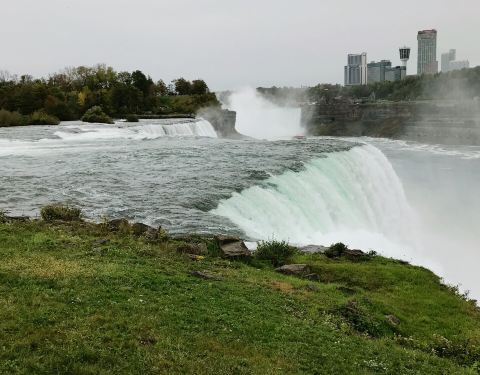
x: 229, y: 43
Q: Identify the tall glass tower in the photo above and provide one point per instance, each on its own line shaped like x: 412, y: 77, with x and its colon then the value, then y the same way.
x: 427, y: 52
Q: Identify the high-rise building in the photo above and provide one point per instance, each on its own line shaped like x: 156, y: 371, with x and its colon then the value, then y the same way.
x: 427, y: 52
x: 396, y: 73
x: 447, y: 58
x: 449, y: 62
x: 376, y: 71
x: 356, y: 70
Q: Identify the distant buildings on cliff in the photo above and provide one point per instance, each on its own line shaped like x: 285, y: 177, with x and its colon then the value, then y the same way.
x: 359, y: 72
x: 450, y: 63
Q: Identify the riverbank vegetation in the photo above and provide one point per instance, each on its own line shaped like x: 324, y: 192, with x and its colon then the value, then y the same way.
x: 69, y: 94
x: 8, y: 118
x: 117, y: 298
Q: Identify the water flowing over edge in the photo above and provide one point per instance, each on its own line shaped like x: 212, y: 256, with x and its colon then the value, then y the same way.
x: 77, y: 133
x: 352, y: 196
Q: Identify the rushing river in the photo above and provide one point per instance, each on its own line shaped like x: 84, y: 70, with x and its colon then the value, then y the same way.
x: 411, y: 201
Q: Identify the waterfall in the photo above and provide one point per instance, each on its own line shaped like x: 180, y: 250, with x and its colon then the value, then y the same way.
x: 259, y: 118
x: 350, y: 196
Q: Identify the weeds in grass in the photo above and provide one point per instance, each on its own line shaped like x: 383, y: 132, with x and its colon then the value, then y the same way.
x: 60, y: 212
x: 277, y: 252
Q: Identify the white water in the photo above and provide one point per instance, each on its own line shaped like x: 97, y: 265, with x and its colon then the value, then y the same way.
x: 78, y: 133
x: 150, y: 129
x: 350, y: 196
x: 261, y: 119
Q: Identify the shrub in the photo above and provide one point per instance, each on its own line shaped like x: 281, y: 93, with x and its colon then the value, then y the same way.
x: 8, y: 118
x: 3, y: 217
x: 277, y: 252
x: 131, y: 118
x: 60, y: 212
x: 42, y: 118
x: 363, y: 321
x: 336, y: 250
x: 96, y: 114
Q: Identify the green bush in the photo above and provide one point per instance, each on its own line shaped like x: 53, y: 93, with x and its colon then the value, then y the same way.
x: 60, y: 212
x: 96, y: 114
x: 336, y: 250
x: 131, y: 118
x: 42, y: 118
x: 277, y: 252
x: 8, y: 118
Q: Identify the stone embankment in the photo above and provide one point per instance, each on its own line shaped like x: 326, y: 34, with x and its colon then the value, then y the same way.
x: 444, y: 122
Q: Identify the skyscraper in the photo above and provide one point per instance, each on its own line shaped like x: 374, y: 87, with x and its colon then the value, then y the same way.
x: 427, y: 52
x: 450, y: 64
x: 376, y: 70
x: 447, y: 58
x: 356, y: 70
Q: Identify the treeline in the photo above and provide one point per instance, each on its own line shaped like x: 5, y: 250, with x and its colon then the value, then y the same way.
x: 69, y: 94
x: 461, y: 84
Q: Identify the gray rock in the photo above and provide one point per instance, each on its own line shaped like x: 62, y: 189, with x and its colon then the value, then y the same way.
x: 116, y: 224
x: 235, y: 250
x: 294, y: 269
x: 139, y: 228
x: 393, y: 320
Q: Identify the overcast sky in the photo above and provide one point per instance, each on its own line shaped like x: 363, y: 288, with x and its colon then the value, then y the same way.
x: 229, y: 43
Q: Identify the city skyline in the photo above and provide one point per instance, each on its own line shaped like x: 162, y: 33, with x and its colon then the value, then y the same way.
x: 229, y: 44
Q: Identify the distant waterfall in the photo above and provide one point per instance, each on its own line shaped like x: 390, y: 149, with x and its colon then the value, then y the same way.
x: 259, y: 118
x: 150, y: 129
x: 351, y: 196
x: 201, y: 128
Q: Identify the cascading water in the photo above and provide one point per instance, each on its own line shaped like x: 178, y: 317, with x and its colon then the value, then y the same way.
x: 262, y: 119
x: 152, y: 129
x: 79, y: 133
x: 351, y: 196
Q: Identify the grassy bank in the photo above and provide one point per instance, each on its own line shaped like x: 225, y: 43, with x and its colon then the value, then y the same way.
x: 78, y: 298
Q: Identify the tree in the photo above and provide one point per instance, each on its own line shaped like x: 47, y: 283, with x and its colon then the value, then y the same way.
x: 199, y: 87
x: 182, y: 86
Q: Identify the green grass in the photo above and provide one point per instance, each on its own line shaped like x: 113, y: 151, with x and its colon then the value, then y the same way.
x: 131, y: 307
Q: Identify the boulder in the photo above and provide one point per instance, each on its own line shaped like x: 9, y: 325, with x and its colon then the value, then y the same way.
x: 393, y: 320
x: 139, y: 228
x: 236, y: 249
x: 116, y: 225
x: 294, y: 269
x: 155, y: 235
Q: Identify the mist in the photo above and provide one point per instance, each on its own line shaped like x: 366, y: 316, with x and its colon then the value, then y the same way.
x: 260, y: 118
